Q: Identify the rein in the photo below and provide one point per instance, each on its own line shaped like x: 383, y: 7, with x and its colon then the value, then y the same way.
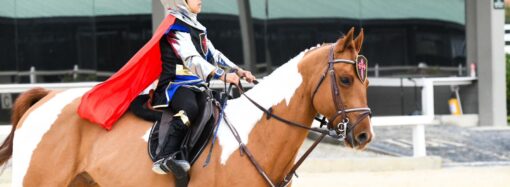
x: 339, y: 131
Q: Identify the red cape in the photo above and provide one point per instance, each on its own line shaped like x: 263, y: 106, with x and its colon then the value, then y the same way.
x: 108, y: 101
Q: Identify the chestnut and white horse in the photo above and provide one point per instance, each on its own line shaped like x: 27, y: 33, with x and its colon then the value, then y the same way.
x: 52, y: 146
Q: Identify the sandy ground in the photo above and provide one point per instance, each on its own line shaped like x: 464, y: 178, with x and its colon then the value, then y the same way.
x: 492, y: 176
x: 459, y: 176
x: 450, y: 177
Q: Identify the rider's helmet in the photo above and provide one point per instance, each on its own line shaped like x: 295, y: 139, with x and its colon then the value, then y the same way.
x: 175, y: 4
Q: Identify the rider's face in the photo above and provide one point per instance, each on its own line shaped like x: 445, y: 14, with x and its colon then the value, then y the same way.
x: 195, y: 6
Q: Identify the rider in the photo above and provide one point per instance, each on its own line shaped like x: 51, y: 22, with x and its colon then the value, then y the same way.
x: 189, y: 59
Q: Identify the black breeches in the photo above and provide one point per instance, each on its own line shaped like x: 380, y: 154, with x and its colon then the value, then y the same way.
x: 185, y: 99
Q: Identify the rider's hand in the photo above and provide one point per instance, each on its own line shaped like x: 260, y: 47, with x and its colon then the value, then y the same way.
x: 246, y: 74
x: 230, y: 78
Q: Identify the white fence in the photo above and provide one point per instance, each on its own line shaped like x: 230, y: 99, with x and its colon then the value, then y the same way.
x: 417, y: 122
x: 33, y: 73
x: 377, y: 70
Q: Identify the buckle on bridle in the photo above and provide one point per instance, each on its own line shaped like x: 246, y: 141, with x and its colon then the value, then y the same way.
x: 341, y: 128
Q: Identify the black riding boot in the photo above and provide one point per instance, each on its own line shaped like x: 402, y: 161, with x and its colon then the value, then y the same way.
x: 175, y: 135
x: 169, y: 160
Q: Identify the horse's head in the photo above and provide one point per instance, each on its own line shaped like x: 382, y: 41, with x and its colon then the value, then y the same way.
x: 338, y: 85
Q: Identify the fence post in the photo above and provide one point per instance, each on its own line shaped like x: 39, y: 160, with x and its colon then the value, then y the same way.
x: 33, y: 76
x: 75, y: 72
x: 427, y: 104
x: 376, y: 70
x: 460, y: 69
x: 419, y: 146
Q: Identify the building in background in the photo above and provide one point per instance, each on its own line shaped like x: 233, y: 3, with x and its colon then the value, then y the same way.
x: 446, y: 36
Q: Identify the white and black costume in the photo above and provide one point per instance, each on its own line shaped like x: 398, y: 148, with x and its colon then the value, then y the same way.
x: 189, y: 59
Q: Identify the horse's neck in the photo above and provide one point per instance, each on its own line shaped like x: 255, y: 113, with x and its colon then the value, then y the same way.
x: 282, y: 91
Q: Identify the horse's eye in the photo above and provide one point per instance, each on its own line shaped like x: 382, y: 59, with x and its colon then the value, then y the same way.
x: 345, y: 80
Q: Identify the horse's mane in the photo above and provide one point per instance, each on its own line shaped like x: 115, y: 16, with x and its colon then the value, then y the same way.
x: 313, y: 48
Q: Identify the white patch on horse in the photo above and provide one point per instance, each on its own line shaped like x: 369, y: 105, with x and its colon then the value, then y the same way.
x: 145, y: 137
x: 280, y: 85
x: 36, y: 124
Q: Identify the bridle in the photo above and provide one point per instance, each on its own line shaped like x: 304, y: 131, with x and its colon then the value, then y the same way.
x: 339, y: 131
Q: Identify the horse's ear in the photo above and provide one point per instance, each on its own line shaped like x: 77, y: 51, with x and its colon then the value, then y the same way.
x: 358, y: 42
x: 346, y: 41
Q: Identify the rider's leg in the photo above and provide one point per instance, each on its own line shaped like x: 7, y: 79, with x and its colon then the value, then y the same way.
x: 185, y: 107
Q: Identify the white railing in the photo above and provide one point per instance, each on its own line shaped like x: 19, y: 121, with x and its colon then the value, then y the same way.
x: 377, y: 70
x: 417, y: 122
x: 460, y: 70
x: 33, y: 73
x: 19, y: 88
x: 428, y: 115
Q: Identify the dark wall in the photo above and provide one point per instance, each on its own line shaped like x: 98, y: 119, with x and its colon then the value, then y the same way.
x: 106, y: 43
x: 102, y: 43
x: 407, y: 101
x: 397, y: 43
x: 7, y: 44
x: 225, y: 33
x: 387, y: 42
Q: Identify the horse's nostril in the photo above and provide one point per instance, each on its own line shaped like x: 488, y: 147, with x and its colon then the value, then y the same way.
x: 362, y: 138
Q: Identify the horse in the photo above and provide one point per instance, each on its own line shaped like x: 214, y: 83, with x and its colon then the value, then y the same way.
x: 51, y: 145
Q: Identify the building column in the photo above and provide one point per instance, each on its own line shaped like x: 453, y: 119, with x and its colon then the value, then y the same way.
x: 158, y: 13
x: 485, y: 48
x: 247, y: 35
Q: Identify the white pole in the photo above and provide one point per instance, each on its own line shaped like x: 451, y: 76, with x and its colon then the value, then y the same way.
x: 33, y: 77
x: 427, y: 103
x: 427, y: 97
x: 376, y: 70
x: 460, y: 69
x: 75, y: 72
x: 419, y: 146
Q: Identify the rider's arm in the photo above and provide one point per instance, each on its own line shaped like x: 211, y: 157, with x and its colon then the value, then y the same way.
x: 224, y: 62
x: 219, y: 58
x: 183, y: 46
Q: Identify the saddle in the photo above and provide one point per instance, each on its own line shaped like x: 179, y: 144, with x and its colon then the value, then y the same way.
x: 197, y: 137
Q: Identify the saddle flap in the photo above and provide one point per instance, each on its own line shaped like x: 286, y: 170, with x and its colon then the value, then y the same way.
x: 166, y: 118
x: 200, y: 132
x: 196, y: 132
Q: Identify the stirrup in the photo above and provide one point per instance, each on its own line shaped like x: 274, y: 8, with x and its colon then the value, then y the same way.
x: 179, y: 168
x: 160, y: 168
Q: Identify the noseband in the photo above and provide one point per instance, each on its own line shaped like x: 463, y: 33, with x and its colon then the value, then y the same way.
x: 344, y: 127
